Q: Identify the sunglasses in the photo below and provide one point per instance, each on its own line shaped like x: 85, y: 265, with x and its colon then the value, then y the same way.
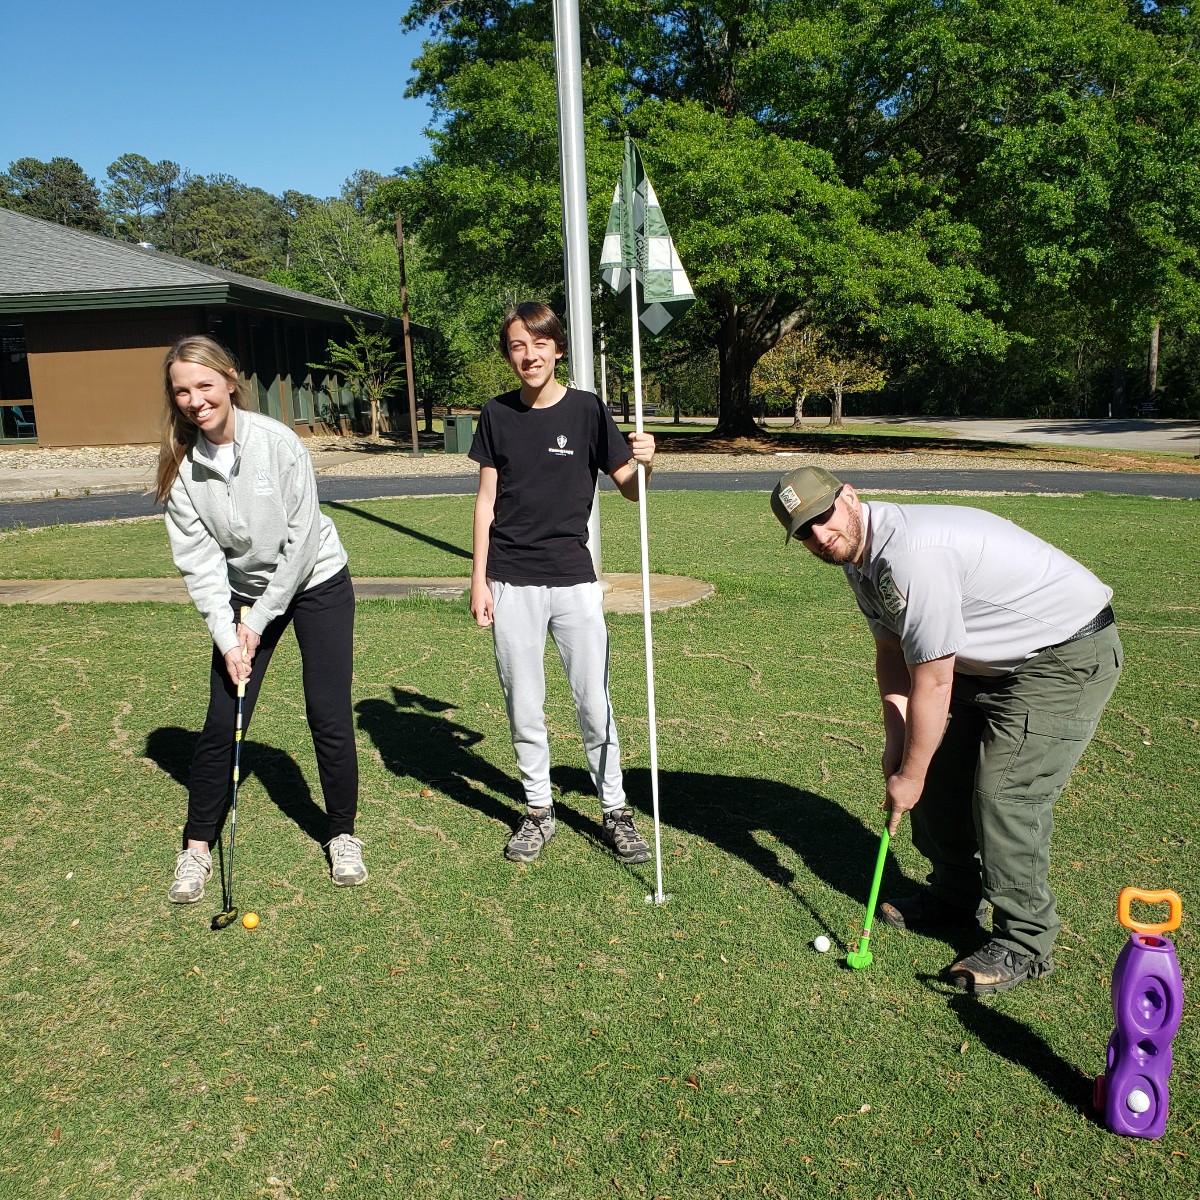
x: 805, y: 531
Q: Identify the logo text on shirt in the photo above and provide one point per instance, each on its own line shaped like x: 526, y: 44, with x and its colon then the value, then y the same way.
x: 560, y: 449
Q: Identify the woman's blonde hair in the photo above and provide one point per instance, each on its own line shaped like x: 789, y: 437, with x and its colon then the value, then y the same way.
x: 178, y: 433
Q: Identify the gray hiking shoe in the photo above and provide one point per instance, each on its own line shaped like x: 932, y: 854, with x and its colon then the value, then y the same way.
x: 346, y: 866
x: 622, y: 835
x: 535, y: 830
x: 193, y: 869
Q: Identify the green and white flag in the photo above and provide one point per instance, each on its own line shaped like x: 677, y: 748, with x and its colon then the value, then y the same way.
x: 637, y: 241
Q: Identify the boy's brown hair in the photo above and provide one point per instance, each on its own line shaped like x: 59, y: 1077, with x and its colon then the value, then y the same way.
x: 540, y: 319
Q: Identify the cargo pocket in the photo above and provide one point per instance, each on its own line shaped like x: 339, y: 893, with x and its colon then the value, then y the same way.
x: 1049, y: 750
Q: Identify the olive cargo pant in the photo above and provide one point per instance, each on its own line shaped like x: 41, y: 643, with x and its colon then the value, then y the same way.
x: 986, y: 814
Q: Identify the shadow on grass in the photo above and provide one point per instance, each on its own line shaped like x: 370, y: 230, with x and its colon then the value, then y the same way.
x: 415, y: 737
x: 278, y: 775
x: 415, y: 534
x: 1015, y: 1041
x: 757, y: 820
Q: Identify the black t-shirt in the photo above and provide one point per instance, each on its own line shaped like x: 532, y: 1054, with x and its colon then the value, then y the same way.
x: 547, y: 460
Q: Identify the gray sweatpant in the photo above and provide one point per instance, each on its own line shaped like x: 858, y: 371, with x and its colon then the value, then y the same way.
x: 573, y: 616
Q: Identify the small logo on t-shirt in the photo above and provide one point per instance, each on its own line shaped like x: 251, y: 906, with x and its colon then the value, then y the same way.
x: 561, y: 449
x: 893, y: 599
x: 262, y: 483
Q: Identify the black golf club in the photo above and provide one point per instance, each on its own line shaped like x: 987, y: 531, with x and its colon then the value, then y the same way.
x: 229, y: 914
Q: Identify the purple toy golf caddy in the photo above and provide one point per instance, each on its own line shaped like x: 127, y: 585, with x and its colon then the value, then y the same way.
x: 1147, y: 999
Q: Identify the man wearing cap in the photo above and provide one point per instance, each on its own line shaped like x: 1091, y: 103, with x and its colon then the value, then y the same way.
x: 995, y: 655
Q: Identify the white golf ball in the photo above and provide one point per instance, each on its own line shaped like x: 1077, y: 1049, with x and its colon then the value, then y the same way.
x: 821, y: 943
x: 1137, y: 1101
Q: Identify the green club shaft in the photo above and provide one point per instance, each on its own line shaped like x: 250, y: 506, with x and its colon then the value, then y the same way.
x: 862, y: 955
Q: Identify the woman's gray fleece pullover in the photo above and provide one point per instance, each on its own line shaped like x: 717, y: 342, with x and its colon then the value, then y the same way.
x: 258, y: 533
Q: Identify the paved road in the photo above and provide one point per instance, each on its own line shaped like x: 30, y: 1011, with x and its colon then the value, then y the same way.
x: 76, y: 510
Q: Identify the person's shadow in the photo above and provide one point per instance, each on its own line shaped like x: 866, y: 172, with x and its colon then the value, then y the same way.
x: 752, y: 819
x: 416, y: 738
x: 171, y: 748
x: 1015, y: 1041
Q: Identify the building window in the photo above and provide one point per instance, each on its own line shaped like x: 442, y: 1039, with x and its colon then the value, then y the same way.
x: 17, y: 423
x: 14, y: 363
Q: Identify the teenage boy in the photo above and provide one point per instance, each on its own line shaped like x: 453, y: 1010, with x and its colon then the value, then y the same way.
x: 539, y: 450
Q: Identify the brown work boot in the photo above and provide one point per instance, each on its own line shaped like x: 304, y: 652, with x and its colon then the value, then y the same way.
x: 996, y: 968
x: 924, y: 913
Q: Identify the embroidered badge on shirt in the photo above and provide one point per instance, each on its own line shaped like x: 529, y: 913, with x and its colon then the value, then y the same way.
x: 561, y: 449
x: 893, y: 599
x: 262, y: 483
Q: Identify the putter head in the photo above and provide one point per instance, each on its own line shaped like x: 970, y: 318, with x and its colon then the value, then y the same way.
x: 859, y: 959
x: 223, y: 919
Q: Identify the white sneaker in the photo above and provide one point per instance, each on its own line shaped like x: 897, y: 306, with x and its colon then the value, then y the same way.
x: 193, y: 869
x: 346, y: 861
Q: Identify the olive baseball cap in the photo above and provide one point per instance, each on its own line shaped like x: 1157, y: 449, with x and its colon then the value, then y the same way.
x: 801, y: 495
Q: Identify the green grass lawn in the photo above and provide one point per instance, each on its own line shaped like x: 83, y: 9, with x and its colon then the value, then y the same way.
x: 460, y: 1027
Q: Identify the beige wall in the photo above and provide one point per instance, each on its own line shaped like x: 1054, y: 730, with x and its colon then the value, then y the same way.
x: 97, y: 378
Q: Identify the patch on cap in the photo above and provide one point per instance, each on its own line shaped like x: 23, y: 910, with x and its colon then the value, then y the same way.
x: 789, y: 499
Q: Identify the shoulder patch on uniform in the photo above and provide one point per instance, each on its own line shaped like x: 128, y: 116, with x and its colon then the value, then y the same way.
x: 893, y: 598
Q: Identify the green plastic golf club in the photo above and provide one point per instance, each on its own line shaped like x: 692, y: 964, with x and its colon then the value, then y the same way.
x: 861, y: 958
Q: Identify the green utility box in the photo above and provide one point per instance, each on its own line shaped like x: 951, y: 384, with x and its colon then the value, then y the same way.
x: 459, y: 433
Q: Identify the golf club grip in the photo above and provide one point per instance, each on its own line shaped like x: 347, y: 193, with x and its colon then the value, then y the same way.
x: 241, y: 688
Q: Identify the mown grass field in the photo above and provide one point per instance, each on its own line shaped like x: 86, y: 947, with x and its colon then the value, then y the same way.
x: 460, y: 1027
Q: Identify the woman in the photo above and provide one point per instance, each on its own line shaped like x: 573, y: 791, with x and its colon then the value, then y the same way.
x: 246, y: 533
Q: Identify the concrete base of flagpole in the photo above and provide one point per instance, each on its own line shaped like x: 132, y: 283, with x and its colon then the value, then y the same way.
x: 623, y: 591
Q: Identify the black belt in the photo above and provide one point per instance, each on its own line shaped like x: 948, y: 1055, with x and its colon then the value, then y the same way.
x: 1102, y: 620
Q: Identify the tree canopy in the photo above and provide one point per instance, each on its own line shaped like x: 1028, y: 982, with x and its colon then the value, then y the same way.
x: 959, y: 181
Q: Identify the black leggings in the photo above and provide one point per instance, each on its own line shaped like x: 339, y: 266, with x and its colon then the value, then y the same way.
x: 323, y: 618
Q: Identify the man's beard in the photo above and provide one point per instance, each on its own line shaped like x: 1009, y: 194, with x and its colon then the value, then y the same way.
x: 849, y: 544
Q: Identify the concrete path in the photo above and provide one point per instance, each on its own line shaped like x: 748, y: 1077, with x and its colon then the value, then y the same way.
x: 1157, y: 435
x: 623, y: 596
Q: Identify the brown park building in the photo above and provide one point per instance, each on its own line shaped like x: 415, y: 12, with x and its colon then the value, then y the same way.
x: 85, y: 322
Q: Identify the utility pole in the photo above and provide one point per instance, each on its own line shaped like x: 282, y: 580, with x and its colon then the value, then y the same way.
x: 568, y: 72
x: 408, y: 366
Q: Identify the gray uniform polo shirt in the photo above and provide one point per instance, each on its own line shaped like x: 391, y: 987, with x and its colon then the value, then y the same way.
x: 961, y: 581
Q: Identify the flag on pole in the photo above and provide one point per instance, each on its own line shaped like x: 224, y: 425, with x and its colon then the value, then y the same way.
x: 637, y: 240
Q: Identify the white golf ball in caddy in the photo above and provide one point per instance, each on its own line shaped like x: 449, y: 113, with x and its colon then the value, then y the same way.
x: 1137, y: 1101
x: 821, y: 943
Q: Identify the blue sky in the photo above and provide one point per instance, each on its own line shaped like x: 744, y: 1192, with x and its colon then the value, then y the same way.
x: 280, y: 95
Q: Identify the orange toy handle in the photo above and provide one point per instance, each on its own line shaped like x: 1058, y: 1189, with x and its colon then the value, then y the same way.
x: 1174, y: 912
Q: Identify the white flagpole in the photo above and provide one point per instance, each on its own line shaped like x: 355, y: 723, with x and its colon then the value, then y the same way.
x: 658, y: 897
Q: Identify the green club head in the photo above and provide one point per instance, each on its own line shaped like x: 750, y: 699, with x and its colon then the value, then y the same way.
x: 859, y: 959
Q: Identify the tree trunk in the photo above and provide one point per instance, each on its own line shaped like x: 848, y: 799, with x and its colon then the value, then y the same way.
x: 746, y: 334
x: 1152, y: 364
x: 835, y: 406
x: 798, y: 413
x: 374, y: 420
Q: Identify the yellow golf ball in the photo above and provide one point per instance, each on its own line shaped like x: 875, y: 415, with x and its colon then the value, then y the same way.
x: 250, y: 920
